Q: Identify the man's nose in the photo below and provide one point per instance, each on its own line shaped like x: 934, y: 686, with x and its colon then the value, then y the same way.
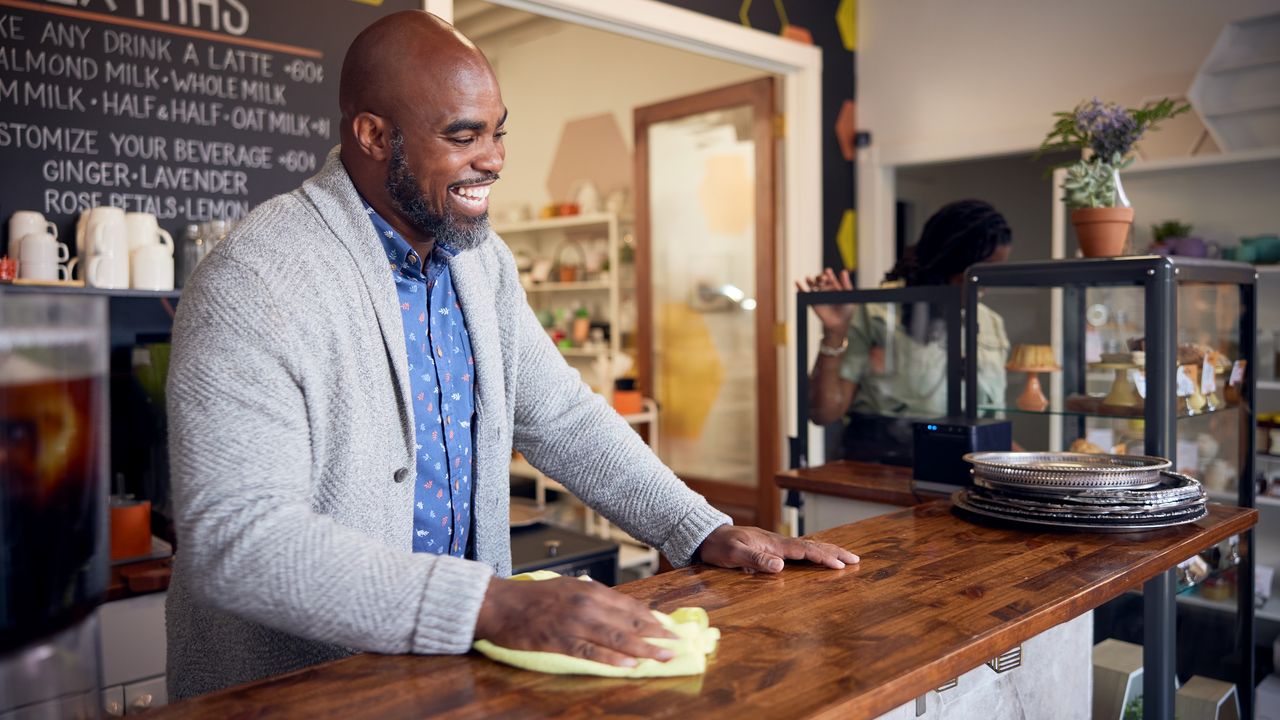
x: 490, y: 159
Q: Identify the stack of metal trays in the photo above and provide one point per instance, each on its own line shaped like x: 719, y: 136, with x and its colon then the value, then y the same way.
x: 1076, y: 491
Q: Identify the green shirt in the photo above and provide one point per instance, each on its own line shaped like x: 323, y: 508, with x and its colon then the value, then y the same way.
x: 908, y: 377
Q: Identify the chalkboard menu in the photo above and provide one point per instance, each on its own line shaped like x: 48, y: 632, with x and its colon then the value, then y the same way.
x: 191, y: 110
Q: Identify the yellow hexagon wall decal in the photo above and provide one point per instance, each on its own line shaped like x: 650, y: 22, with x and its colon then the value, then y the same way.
x: 847, y: 239
x: 689, y: 370
x: 847, y: 22
x: 727, y: 194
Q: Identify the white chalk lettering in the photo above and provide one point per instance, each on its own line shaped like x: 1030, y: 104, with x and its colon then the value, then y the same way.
x: 128, y: 105
x: 52, y: 96
x: 69, y: 202
x: 103, y: 173
x: 60, y: 34
x: 247, y: 62
x: 222, y: 154
x: 75, y: 141
x: 147, y: 147
x: 127, y: 73
x: 11, y: 28
x: 140, y: 47
x: 40, y: 62
x: 202, y: 180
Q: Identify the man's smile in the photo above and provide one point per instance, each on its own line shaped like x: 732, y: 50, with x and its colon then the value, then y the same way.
x: 472, y: 199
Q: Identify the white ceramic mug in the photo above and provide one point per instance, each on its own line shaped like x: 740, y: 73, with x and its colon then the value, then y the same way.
x: 23, y: 223
x: 151, y: 267
x: 99, y: 220
x: 91, y: 268
x: 143, y: 229
x: 106, y: 242
x: 42, y: 271
x: 42, y: 248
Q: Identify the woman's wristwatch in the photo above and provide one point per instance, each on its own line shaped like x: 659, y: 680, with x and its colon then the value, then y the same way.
x: 828, y: 351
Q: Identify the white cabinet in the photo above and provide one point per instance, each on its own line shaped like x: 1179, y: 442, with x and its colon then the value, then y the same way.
x: 133, y: 654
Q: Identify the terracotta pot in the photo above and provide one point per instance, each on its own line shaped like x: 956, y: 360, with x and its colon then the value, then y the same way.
x: 1102, y: 231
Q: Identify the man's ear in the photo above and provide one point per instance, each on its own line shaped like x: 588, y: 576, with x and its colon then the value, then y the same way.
x: 373, y: 136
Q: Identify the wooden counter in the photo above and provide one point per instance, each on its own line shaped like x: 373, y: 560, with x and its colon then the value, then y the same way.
x: 934, y: 596
x: 871, y: 482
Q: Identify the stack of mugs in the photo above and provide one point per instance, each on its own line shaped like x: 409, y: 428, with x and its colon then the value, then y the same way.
x: 33, y: 242
x: 114, y: 249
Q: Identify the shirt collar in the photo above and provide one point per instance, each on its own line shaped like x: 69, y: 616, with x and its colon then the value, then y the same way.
x: 400, y: 254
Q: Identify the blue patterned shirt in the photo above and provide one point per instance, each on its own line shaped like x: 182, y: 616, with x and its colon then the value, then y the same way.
x: 442, y: 382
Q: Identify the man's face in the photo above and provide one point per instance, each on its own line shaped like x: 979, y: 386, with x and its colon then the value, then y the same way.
x: 442, y: 166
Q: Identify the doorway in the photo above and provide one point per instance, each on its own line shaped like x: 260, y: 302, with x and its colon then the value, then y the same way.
x: 705, y: 270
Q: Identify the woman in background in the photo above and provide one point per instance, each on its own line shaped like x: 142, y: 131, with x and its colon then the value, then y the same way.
x: 882, y: 363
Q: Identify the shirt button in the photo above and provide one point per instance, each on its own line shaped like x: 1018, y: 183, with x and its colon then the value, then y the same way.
x: 402, y: 474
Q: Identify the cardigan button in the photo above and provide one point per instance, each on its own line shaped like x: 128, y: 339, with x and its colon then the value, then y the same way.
x: 402, y: 474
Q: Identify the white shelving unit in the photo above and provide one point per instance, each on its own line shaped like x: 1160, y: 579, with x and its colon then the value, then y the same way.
x: 550, y: 240
x: 544, y: 240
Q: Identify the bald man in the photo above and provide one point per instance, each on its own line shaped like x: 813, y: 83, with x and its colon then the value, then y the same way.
x: 351, y: 370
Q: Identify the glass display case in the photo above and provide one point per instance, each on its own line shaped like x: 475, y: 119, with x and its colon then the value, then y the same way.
x: 1148, y: 356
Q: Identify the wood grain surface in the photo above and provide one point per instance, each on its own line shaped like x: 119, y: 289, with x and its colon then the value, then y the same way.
x: 872, y: 482
x: 934, y: 596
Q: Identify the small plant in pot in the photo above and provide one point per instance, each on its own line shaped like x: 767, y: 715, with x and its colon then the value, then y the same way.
x: 1105, y: 134
x: 1172, y: 237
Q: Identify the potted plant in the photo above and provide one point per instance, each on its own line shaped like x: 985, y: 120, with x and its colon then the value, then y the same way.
x: 1105, y: 133
x: 1172, y: 237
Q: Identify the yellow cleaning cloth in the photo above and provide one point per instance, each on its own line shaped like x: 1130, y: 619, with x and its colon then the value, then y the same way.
x: 694, y: 640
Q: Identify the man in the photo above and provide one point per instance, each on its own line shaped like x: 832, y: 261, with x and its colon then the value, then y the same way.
x: 351, y: 369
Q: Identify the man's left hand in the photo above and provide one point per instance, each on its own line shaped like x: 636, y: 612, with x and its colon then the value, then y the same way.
x: 757, y: 550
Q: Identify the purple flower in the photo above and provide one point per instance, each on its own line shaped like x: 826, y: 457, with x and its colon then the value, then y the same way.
x: 1110, y: 129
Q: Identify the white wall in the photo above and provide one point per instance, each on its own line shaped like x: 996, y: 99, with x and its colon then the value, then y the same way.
x: 942, y: 79
x: 557, y: 72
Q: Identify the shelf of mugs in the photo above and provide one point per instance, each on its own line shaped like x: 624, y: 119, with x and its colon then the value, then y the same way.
x: 77, y: 289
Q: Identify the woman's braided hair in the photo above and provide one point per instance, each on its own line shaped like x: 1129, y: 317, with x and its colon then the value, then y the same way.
x: 955, y: 237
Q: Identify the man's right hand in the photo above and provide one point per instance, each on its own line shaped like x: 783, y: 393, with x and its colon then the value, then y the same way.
x: 571, y: 617
x: 835, y: 318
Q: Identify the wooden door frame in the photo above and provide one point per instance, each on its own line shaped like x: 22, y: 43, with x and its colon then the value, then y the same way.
x: 758, y: 94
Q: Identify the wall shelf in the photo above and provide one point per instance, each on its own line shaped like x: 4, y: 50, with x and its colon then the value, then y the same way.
x: 1202, y: 161
x: 563, y: 222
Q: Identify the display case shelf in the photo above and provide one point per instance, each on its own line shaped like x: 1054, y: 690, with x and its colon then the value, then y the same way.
x: 1058, y: 412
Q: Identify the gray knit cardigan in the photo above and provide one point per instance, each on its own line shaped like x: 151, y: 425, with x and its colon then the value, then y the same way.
x: 292, y: 449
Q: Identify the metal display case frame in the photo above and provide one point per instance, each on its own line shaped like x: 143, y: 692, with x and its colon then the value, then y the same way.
x: 1159, y: 278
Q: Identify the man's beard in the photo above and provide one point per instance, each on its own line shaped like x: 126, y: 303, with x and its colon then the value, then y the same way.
x: 460, y: 232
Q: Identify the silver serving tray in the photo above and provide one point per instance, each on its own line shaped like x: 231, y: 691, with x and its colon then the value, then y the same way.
x: 960, y: 504
x: 1068, y: 471
x: 1172, y: 488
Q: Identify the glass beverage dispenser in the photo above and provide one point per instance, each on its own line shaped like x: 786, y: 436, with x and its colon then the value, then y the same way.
x: 53, y: 501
